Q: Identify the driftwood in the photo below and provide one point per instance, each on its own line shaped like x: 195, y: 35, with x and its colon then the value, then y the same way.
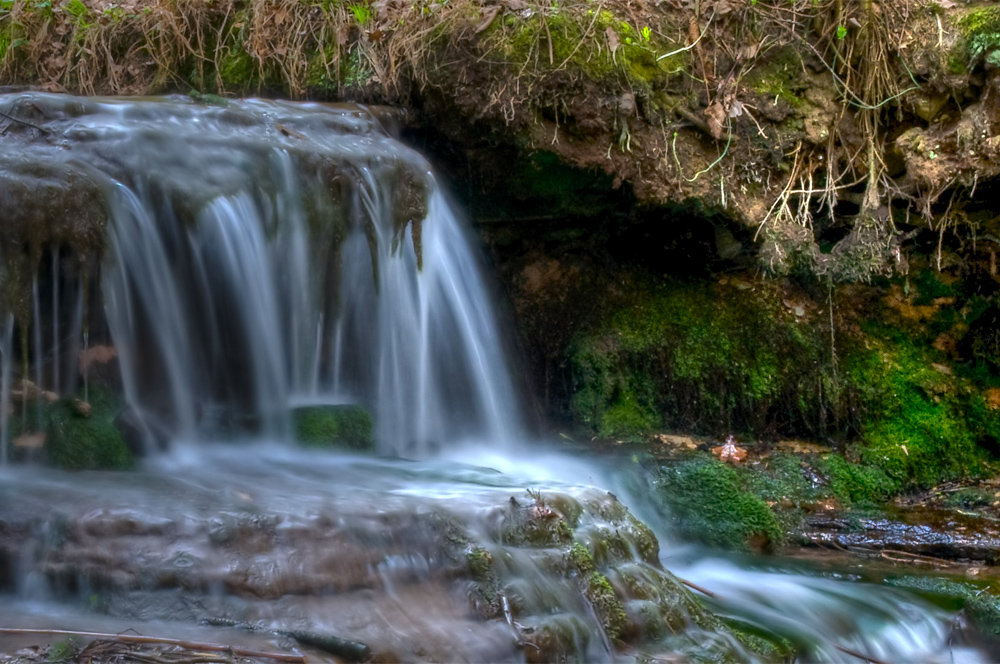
x: 351, y: 651
x: 190, y: 645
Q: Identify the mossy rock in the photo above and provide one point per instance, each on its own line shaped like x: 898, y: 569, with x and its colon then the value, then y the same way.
x: 342, y: 427
x: 855, y: 484
x: 700, y: 357
x: 75, y: 441
x: 709, y: 503
x: 609, y: 609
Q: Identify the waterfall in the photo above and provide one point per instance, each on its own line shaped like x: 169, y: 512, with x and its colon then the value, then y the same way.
x: 265, y: 255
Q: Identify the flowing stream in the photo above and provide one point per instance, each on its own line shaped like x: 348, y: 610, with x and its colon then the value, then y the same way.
x: 262, y: 256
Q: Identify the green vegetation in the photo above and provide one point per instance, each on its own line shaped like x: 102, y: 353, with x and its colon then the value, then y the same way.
x: 345, y: 427
x: 918, y: 423
x: 709, y: 503
x: 697, y: 357
x: 77, y: 435
x: 980, y: 30
x: 780, y: 79
x: 607, y: 606
x: 855, y: 484
x: 77, y: 441
x: 761, y: 505
x: 719, y: 360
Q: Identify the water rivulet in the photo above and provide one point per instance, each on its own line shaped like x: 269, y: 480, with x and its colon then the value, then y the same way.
x: 243, y: 262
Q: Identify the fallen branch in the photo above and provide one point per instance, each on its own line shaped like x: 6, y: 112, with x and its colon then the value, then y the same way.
x: 907, y: 557
x: 25, y: 123
x: 189, y: 645
x: 352, y: 651
x: 862, y: 656
x: 695, y: 586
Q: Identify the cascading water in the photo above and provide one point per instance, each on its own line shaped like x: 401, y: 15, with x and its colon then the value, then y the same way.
x: 267, y: 254
x: 264, y: 255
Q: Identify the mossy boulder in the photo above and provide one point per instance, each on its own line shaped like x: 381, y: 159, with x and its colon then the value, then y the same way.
x: 709, y: 503
x: 342, y: 427
x: 85, y: 438
x: 856, y: 484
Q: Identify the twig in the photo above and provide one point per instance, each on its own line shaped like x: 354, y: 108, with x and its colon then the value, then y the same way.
x: 190, y: 645
x: 26, y: 124
x: 855, y: 653
x: 692, y: 44
x: 548, y: 33
x: 695, y: 586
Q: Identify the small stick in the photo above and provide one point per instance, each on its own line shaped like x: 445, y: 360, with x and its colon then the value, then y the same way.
x: 26, y: 124
x: 189, y: 645
x: 855, y: 653
x: 704, y: 591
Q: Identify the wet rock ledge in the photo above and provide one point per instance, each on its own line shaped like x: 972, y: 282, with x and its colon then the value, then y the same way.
x: 548, y: 575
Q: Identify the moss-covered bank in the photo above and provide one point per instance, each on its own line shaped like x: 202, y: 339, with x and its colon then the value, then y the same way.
x: 881, y: 378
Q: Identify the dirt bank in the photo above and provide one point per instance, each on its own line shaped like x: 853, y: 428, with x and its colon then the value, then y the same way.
x: 833, y: 128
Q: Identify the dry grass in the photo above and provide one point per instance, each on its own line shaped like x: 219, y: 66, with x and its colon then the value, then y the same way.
x: 628, y: 75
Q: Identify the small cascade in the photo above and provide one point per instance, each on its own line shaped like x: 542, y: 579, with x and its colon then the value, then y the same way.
x: 262, y: 256
x: 241, y: 260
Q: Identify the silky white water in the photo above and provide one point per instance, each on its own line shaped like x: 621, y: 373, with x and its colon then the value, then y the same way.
x: 266, y: 255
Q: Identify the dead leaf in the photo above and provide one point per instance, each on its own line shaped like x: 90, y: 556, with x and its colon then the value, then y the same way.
x: 343, y: 34
x: 730, y: 452
x: 686, y: 442
x: 612, y: 40
x: 515, y: 5
x: 488, y: 15
x: 716, y: 115
x: 289, y: 132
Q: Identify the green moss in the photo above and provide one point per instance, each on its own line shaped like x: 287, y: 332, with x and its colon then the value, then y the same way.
x: 348, y: 427
x: 628, y: 417
x: 77, y: 442
x: 609, y: 609
x: 700, y: 357
x: 778, y: 79
x: 771, y: 647
x: 709, y: 503
x: 930, y: 286
x: 580, y: 42
x: 981, y: 604
x: 969, y: 498
x: 238, y: 70
x: 580, y: 559
x: 480, y: 563
x: 857, y: 484
x: 918, y: 424
x: 980, y: 30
